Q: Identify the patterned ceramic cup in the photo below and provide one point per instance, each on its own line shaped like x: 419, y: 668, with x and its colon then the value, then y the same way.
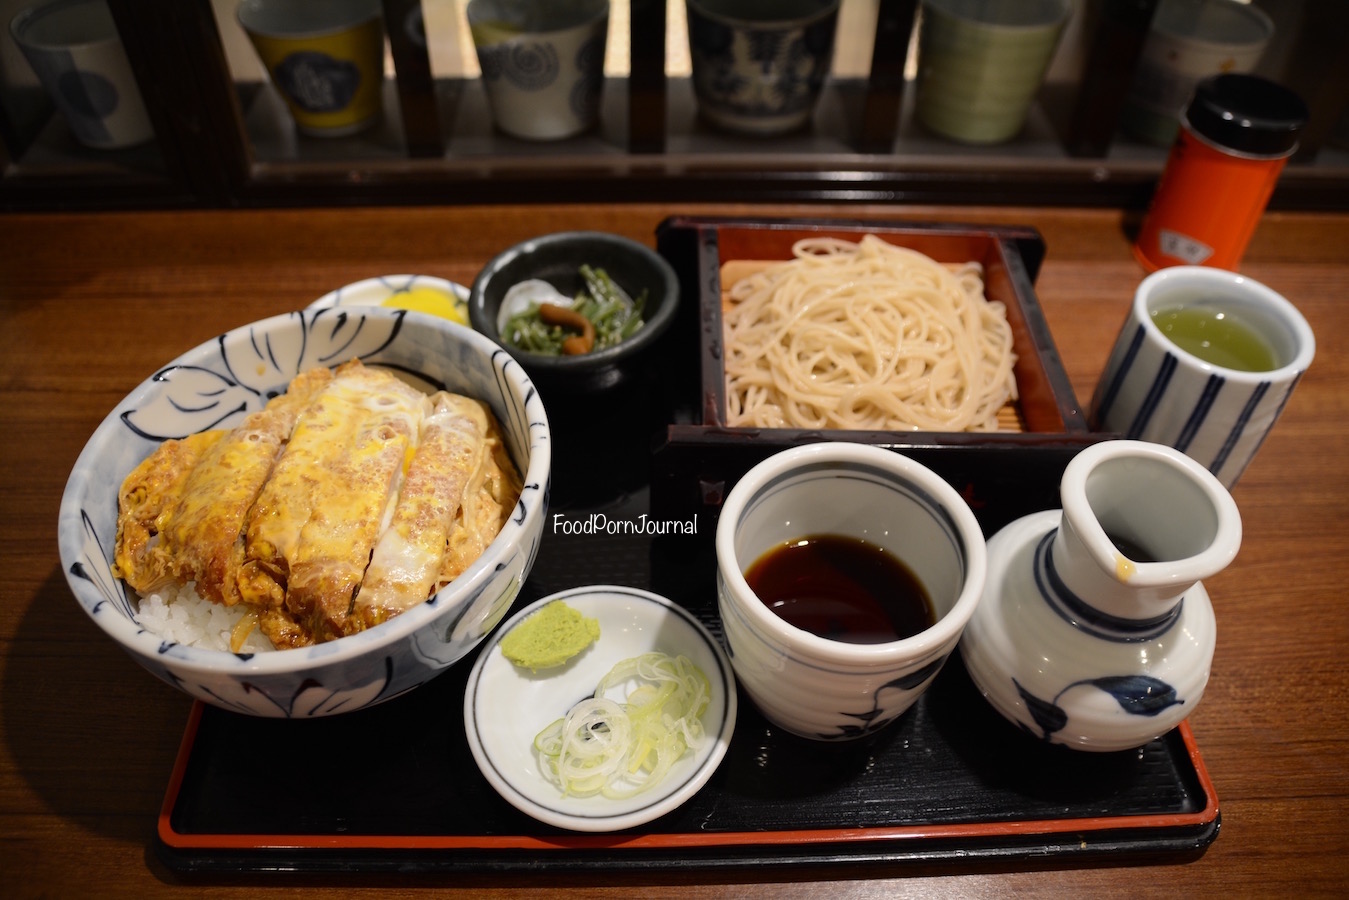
x: 326, y: 59
x: 759, y: 65
x: 1217, y: 413
x: 1188, y: 41
x: 542, y: 63
x: 74, y: 49
x: 825, y: 688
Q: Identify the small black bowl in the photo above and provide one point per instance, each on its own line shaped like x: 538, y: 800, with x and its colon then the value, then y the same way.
x: 556, y: 258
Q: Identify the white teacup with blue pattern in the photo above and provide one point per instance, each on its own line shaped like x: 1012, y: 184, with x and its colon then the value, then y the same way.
x: 542, y: 63
x: 77, y: 55
x: 759, y: 65
x: 816, y: 686
x: 1153, y: 390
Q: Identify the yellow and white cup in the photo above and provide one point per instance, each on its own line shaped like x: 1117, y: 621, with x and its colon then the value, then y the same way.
x: 326, y: 59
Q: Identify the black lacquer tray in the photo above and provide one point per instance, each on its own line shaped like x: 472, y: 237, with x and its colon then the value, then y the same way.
x: 394, y: 788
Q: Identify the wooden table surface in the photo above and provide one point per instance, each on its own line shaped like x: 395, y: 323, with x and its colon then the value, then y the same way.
x: 90, y: 304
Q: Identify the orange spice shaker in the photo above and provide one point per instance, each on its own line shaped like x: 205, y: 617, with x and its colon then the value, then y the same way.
x: 1235, y: 136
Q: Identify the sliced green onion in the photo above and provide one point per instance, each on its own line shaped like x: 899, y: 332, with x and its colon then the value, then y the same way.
x: 618, y: 750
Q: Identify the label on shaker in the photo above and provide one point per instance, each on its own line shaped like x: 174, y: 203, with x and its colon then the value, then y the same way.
x: 1182, y: 246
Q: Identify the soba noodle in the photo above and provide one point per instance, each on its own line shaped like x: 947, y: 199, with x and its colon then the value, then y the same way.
x: 866, y: 336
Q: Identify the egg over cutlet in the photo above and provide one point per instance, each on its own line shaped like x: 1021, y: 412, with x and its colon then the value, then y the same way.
x: 344, y: 502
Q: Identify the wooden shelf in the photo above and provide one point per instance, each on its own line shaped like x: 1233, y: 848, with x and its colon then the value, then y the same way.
x: 224, y: 144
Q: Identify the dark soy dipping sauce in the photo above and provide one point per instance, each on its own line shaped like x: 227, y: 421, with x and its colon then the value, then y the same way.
x: 842, y: 589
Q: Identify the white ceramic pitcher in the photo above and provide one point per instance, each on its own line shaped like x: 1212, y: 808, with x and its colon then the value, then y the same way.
x: 1094, y: 630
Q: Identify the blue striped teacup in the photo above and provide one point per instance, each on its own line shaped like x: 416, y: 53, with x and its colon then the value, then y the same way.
x: 1153, y: 390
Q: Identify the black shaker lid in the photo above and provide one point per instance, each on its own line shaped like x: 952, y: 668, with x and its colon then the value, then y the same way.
x: 1247, y: 114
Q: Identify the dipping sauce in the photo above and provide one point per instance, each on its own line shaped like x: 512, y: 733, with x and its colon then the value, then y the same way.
x: 1129, y: 555
x: 1216, y: 336
x: 841, y: 588
x: 1132, y: 550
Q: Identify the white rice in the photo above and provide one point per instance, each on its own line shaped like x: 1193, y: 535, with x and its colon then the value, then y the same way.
x: 182, y: 615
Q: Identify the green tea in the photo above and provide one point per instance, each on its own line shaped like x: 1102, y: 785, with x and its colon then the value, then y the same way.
x: 1217, y: 337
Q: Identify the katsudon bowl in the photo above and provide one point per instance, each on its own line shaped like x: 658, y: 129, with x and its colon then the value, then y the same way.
x: 216, y: 385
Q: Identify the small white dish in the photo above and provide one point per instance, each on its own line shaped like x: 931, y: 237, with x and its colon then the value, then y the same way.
x: 506, y: 706
x: 422, y: 293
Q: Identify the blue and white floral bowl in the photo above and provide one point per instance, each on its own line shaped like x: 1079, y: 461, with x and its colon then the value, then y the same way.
x: 216, y: 385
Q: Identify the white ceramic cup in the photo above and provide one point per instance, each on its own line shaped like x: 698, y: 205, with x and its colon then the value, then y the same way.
x: 542, y: 63
x: 759, y: 65
x: 1153, y: 390
x: 827, y: 689
x: 981, y: 62
x: 1188, y: 41
x: 74, y: 49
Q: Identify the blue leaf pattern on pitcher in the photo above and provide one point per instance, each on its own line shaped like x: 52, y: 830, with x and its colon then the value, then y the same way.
x: 1137, y: 695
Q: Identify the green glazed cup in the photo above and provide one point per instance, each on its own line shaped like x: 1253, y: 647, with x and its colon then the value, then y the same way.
x: 980, y: 63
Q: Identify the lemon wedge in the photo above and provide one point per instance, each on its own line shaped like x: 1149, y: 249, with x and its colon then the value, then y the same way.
x: 429, y: 300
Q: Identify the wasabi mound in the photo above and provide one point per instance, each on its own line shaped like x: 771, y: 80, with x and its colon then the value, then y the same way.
x: 549, y: 637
